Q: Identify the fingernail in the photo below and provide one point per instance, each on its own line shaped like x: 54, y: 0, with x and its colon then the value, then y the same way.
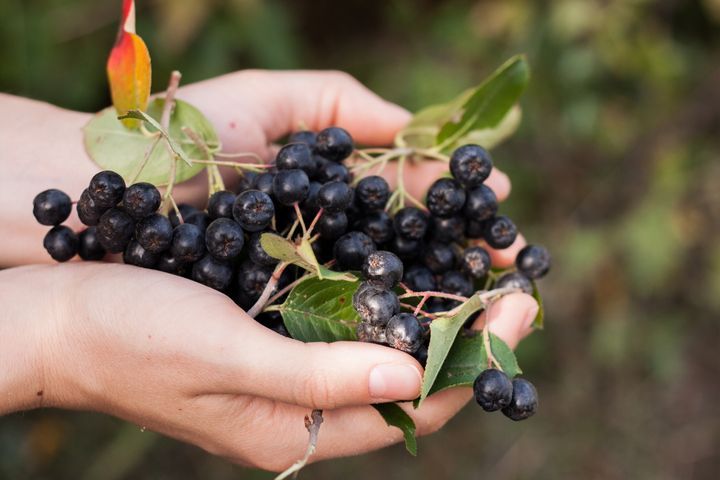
x: 394, y: 382
x: 530, y: 315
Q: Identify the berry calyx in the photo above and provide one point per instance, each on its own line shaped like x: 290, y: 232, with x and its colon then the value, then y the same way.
x: 372, y: 193
x: 500, y: 232
x: 470, y: 165
x: 476, y: 262
x: 154, y: 233
x: 114, y: 230
x: 411, y: 223
x: 445, y: 197
x: 106, y: 189
x: 141, y: 199
x: 224, y: 239
x: 253, y: 210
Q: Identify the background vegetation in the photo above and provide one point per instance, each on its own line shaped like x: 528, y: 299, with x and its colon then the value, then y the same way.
x: 615, y: 168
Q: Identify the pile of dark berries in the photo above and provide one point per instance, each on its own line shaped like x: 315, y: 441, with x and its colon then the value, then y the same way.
x: 441, y: 248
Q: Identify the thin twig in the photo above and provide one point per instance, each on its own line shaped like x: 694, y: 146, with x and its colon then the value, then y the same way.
x: 221, y: 163
x: 296, y: 206
x: 449, y: 296
x: 240, y: 155
x: 422, y: 312
x: 146, y: 159
x: 268, y: 291
x: 286, y: 289
x: 170, y: 99
x: 420, y: 305
x: 314, y: 222
x: 312, y: 424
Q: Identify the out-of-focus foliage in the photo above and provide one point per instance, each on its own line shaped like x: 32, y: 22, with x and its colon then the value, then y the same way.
x: 616, y: 168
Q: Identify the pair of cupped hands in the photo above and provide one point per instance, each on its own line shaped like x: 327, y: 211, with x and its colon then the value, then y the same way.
x: 179, y: 358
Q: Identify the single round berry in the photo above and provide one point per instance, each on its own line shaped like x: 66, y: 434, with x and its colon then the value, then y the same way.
x: 456, y: 283
x: 420, y: 279
x: 168, y: 263
x: 352, y: 249
x: 500, y: 232
x: 421, y: 355
x: 88, y: 212
x: 406, y: 248
x: 333, y: 172
x: 220, y: 205
x: 224, y: 239
x: 370, y: 333
x: 253, y: 210
x: 200, y: 219
x: 335, y: 196
x: 378, y: 226
x: 474, y: 228
x: 533, y: 261
x: 257, y: 253
x: 447, y: 230
x: 334, y: 143
x: 106, y: 189
x: 476, y: 262
x: 136, y: 255
x: 515, y: 280
x: 212, y: 272
x: 372, y: 193
x: 141, y: 199
x: 470, y: 165
x: 524, y: 400
x: 375, y: 305
x: 252, y: 279
x: 115, y: 229
x: 185, y: 211
x: 481, y: 204
x: 303, y: 136
x: 89, y: 247
x: 332, y: 225
x: 61, y: 243
x: 295, y: 156
x: 411, y: 223
x: 438, y: 257
x: 188, y: 243
x: 264, y: 182
x: 291, y: 186
x: 245, y: 182
x: 445, y: 197
x: 310, y: 206
x: 404, y: 332
x: 154, y: 233
x: 493, y: 390
x: 51, y: 207
x: 383, y: 268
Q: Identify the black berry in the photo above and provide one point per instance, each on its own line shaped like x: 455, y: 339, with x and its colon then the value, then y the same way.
x: 476, y: 262
x: 51, y: 207
x: 500, y: 232
x: 61, y: 243
x: 106, y: 189
x: 154, y: 233
x: 420, y: 279
x: 257, y: 253
x: 252, y: 279
x: 136, y: 255
x: 446, y: 230
x: 224, y: 239
x: 188, y: 243
x: 375, y: 305
x: 333, y: 172
x: 303, y: 136
x: 168, y: 263
x: 411, y: 223
x: 212, y: 272
x: 199, y: 219
x: 352, y: 249
x: 456, y: 283
x: 332, y: 225
x: 438, y: 257
x: 383, y: 268
x: 378, y: 226
x: 114, y: 230
x: 445, y: 197
x: 334, y: 143
x: 493, y: 390
x: 220, y: 204
x: 372, y: 193
x: 515, y: 280
x: 335, y: 196
x: 264, y: 182
x: 185, y: 211
x: 524, y: 401
x: 481, y: 204
x: 253, y: 210
x: 89, y: 247
x: 291, y: 186
x: 371, y: 333
x: 141, y: 199
x: 404, y: 332
x: 295, y: 156
x: 533, y: 261
x: 406, y: 248
x: 88, y: 212
x: 470, y: 165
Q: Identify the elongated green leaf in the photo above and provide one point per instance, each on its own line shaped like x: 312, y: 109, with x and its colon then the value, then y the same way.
x: 174, y: 146
x: 116, y: 148
x: 301, y: 255
x: 321, y: 311
x: 395, y: 416
x: 539, y: 321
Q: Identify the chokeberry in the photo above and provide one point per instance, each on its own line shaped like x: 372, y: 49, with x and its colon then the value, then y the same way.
x: 445, y: 197
x: 224, y: 239
x: 500, y: 232
x: 51, y: 207
x: 88, y: 212
x: 295, y: 156
x: 533, y: 261
x: 476, y: 262
x: 438, y: 257
x: 493, y: 390
x: 375, y: 305
x: 420, y: 279
x: 352, y: 249
x: 303, y: 136
x: 200, y: 219
x: 524, y: 401
x: 456, y: 283
x: 332, y: 225
x: 264, y: 182
x: 291, y: 186
x: 383, y: 268
x: 406, y: 248
x: 245, y: 182
x: 378, y: 226
x: 333, y: 172
x: 257, y: 253
x: 404, y: 332
x: 252, y: 279
x: 421, y: 355
x: 61, y: 243
x: 310, y: 206
x: 253, y: 210
x: 106, y: 189
x: 141, y: 199
x: 447, y: 229
x: 370, y: 333
x: 185, y: 211
x: 335, y: 196
x: 89, y: 247
x: 470, y: 165
x: 372, y: 193
x: 188, y: 243
x: 411, y: 223
x: 474, y: 228
x: 212, y: 272
x: 169, y: 263
x: 481, y: 204
x: 220, y: 204
x: 154, y: 233
x: 515, y: 280
x: 334, y: 143
x: 136, y: 255
x: 114, y: 230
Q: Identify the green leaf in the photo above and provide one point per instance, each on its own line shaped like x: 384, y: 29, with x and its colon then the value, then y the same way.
x: 174, y: 146
x: 320, y: 311
x: 395, y: 416
x: 301, y: 255
x: 489, y: 104
x: 116, y: 148
x: 467, y: 358
x: 539, y: 321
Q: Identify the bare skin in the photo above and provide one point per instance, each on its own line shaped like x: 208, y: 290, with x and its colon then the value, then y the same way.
x: 172, y: 355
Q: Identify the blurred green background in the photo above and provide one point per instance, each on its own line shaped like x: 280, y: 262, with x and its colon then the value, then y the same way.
x: 616, y: 168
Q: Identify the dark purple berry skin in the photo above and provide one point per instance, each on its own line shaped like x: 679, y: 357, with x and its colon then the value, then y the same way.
x: 372, y: 193
x: 333, y: 172
x: 370, y: 333
x: 375, y: 305
x: 253, y: 210
x: 251, y: 279
x: 212, y: 272
x: 493, y: 390
x: 188, y: 243
x: 515, y: 280
x: 438, y: 257
x: 245, y: 182
x: 420, y: 279
x: 476, y: 262
x: 291, y: 186
x: 334, y: 143
x: 474, y: 229
x: 406, y: 248
x: 89, y: 247
x: 141, y: 199
x: 220, y: 205
x: 500, y: 232
x: 51, y: 207
x: 447, y: 230
x: 136, y: 255
x: 154, y: 233
x: 335, y: 196
x: 456, y: 283
x: 224, y: 239
x: 106, y: 189
x: 383, y: 268
x: 295, y: 156
x: 445, y: 197
x: 332, y: 225
x: 404, y: 332
x: 264, y: 182
x: 199, y: 219
x: 257, y: 253
x: 524, y: 400
x: 61, y: 243
x: 88, y: 212
x: 378, y: 226
x: 115, y: 230
x: 481, y: 204
x: 411, y: 223
x: 303, y: 136
x: 533, y: 261
x: 310, y: 206
x: 352, y: 249
x: 471, y: 165
x: 185, y: 211
x: 170, y: 264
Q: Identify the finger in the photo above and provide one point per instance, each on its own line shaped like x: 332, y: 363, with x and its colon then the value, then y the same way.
x: 505, y: 257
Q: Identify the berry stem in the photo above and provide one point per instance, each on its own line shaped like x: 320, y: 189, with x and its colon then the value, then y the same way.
x: 146, y: 159
x: 429, y: 315
x: 312, y: 424
x: 286, y: 289
x: 267, y: 292
x: 450, y: 296
x: 220, y: 163
x: 170, y: 99
x: 242, y: 154
x: 296, y: 206
x: 292, y: 229
x: 420, y: 305
x: 314, y: 222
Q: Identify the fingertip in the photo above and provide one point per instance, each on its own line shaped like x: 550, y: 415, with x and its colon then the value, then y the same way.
x: 500, y: 183
x: 511, y: 317
x: 503, y: 258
